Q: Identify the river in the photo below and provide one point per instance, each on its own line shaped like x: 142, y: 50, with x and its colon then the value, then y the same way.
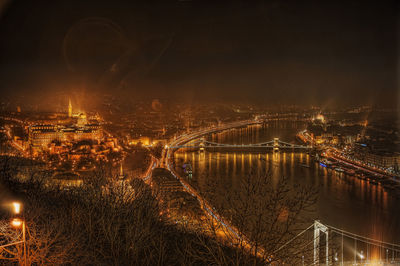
x: 343, y: 201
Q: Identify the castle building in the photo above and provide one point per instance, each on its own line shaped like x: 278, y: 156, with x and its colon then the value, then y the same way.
x: 40, y: 136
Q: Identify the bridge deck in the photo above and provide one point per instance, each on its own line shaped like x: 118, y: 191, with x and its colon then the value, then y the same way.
x: 275, y: 144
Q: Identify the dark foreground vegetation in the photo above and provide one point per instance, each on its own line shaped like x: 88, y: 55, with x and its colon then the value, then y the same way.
x: 102, y: 223
x: 106, y: 222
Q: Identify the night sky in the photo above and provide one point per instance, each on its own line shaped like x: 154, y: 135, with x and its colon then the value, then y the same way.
x: 318, y: 52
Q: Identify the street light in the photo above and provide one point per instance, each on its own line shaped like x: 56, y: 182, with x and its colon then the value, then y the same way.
x: 18, y: 222
x: 17, y: 207
x: 362, y: 255
x: 387, y: 255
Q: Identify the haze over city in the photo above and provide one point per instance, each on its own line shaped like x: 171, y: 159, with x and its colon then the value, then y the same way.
x: 269, y: 51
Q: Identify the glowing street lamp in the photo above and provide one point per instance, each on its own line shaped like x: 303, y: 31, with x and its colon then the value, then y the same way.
x: 362, y: 255
x: 387, y: 255
x: 17, y: 223
x: 16, y: 207
x: 336, y: 258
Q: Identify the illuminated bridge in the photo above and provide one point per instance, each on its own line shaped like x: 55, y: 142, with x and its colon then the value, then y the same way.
x: 334, y: 246
x: 274, y: 144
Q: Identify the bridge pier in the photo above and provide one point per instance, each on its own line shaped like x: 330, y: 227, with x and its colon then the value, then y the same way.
x: 276, y: 145
x: 202, y: 145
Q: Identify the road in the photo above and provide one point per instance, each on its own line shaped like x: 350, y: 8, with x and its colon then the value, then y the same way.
x: 335, y: 154
x: 166, y: 162
x: 154, y: 163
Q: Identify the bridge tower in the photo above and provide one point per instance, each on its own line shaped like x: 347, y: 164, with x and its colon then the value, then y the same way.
x: 202, y: 144
x: 319, y: 227
x: 276, y: 144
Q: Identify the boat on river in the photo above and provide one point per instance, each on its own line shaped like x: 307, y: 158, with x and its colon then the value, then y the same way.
x: 187, y: 169
x: 339, y: 169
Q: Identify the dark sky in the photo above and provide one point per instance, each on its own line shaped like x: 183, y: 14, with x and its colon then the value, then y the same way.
x: 319, y: 52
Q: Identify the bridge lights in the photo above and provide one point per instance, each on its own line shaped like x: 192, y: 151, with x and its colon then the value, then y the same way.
x: 387, y: 255
x: 362, y: 255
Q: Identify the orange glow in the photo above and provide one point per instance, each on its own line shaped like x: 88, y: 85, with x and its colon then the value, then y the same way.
x: 17, y: 207
x: 16, y: 222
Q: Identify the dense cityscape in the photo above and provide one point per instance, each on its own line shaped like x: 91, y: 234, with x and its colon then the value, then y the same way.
x: 109, y: 157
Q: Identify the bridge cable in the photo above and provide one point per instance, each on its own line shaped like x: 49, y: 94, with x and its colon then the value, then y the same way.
x: 302, y: 232
x: 376, y: 243
x: 352, y: 235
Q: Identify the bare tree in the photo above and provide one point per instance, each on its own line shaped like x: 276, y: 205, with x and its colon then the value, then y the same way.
x: 267, y: 213
x: 109, y: 222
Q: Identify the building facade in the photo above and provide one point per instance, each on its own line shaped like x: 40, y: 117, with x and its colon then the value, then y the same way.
x: 41, y: 136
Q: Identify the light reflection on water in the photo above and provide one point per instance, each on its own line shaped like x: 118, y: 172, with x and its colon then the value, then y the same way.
x: 344, y: 201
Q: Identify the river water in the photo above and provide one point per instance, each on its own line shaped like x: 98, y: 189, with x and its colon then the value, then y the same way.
x: 343, y: 201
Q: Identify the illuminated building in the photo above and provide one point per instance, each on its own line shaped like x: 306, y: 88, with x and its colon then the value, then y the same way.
x: 166, y: 184
x: 82, y: 120
x: 321, y: 118
x: 41, y: 136
x: 143, y: 140
x: 69, y: 108
x: 380, y: 158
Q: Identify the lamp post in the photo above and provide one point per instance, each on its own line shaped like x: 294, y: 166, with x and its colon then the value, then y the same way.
x: 387, y: 255
x: 18, y: 222
x: 362, y: 256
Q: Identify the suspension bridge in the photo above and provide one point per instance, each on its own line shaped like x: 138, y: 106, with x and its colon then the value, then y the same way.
x: 334, y: 246
x: 274, y: 144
